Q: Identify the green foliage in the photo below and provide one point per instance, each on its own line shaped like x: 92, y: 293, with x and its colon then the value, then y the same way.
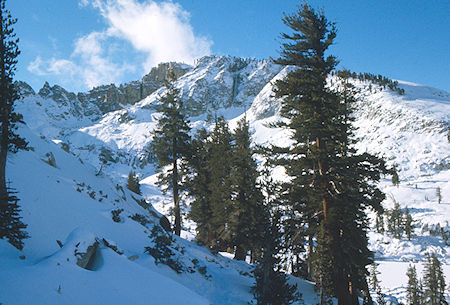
x: 408, y: 223
x: 210, y: 184
x: 395, y: 221
x: 220, y: 166
x: 271, y: 285
x: 376, y: 79
x: 374, y: 283
x: 11, y: 226
x: 330, y: 184
x: 133, y: 183
x: 162, y: 249
x: 198, y: 187
x: 171, y: 144
x: 438, y: 194
x: 433, y: 281
x: 413, y: 291
x: 379, y: 223
x: 246, y: 206
x: 395, y: 178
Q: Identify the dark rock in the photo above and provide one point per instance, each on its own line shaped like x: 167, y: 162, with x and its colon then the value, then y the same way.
x: 86, y: 260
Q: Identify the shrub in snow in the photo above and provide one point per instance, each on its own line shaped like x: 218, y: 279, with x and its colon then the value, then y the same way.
x: 162, y: 250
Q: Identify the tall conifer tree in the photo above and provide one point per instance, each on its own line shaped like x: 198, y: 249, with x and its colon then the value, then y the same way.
x: 412, y: 291
x: 433, y: 281
x: 271, y: 285
x: 331, y: 185
x: 11, y: 226
x: 171, y: 144
x: 246, y: 202
x: 198, y: 188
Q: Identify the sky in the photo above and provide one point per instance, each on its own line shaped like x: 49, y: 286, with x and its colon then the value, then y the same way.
x: 79, y: 44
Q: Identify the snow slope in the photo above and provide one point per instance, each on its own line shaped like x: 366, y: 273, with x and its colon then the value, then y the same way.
x: 410, y: 131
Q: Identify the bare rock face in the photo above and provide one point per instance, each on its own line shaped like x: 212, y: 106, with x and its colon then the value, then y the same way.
x: 86, y: 259
x: 110, y: 98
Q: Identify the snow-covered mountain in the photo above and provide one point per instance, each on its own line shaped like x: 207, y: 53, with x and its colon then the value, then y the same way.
x: 97, y: 137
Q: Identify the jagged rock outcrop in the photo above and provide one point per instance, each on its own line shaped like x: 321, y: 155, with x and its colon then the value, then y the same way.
x: 110, y: 97
x: 24, y: 89
x: 221, y: 82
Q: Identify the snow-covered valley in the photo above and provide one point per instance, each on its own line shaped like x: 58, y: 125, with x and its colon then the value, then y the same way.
x: 74, y: 199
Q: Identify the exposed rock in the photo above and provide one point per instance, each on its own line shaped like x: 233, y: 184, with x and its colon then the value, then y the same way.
x: 110, y: 98
x: 86, y: 259
x: 133, y: 258
x: 50, y: 159
x: 23, y: 89
x: 112, y: 246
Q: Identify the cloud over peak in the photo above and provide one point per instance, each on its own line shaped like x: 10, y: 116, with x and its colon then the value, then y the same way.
x: 154, y: 32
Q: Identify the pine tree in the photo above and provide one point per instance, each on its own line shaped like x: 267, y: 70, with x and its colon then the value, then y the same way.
x: 438, y: 194
x: 379, y: 223
x: 374, y: 283
x: 395, y: 177
x: 246, y: 200
x: 11, y: 226
x: 412, y: 291
x: 408, y: 223
x: 220, y: 167
x: 395, y: 221
x: 133, y: 183
x: 198, y: 187
x: 271, y: 285
x: 433, y: 281
x: 330, y: 184
x: 171, y: 144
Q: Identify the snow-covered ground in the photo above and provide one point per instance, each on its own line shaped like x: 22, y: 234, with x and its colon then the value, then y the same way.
x: 73, y: 202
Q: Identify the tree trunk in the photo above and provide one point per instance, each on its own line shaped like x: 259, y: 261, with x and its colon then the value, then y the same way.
x: 4, y: 117
x: 310, y: 253
x: 240, y: 253
x: 176, y: 201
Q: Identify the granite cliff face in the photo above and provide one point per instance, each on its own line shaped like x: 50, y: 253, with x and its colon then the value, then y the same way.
x: 107, y: 98
x: 214, y: 82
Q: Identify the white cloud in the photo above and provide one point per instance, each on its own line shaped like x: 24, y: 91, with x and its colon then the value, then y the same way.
x: 88, y: 65
x: 160, y: 32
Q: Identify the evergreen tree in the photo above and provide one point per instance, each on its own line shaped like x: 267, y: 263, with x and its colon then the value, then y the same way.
x: 380, y: 298
x: 246, y: 200
x: 395, y: 178
x: 438, y: 194
x: 11, y: 226
x: 412, y: 291
x: 395, y: 221
x: 133, y: 183
x: 220, y: 167
x: 433, y: 281
x: 379, y: 223
x: 199, y: 189
x: 271, y: 285
x: 171, y: 144
x: 330, y: 185
x: 408, y: 223
x: 374, y: 283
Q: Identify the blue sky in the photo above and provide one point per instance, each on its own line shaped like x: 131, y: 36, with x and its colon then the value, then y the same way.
x: 83, y: 43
